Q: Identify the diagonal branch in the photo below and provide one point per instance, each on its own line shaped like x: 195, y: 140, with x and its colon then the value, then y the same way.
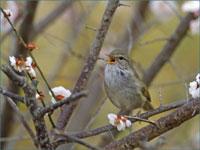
x: 171, y: 121
x: 106, y: 128
x: 31, y: 103
x: 168, y: 49
x: 67, y: 101
x: 23, y: 121
x: 72, y: 139
x: 13, y: 96
x: 90, y: 63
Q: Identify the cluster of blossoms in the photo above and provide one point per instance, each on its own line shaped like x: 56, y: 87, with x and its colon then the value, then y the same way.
x: 20, y: 64
x: 193, y: 7
x: 194, y: 88
x: 164, y: 10
x: 119, y: 121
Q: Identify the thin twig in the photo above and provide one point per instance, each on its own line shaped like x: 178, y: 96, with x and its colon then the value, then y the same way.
x: 79, y: 141
x: 13, y: 96
x: 140, y: 119
x: 74, y: 97
x: 23, y: 121
x: 153, y: 41
x: 90, y: 28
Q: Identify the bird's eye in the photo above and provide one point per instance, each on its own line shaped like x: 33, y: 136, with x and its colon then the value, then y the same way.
x: 121, y: 58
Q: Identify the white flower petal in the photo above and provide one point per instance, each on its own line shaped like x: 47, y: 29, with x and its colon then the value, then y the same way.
x: 128, y: 123
x: 28, y: 61
x: 195, y: 25
x: 121, y: 126
x: 37, y: 96
x: 112, y: 117
x: 194, y: 92
x: 12, y: 61
x: 191, y: 6
x: 8, y: 12
x: 198, y: 78
x: 60, y: 90
x: 32, y: 73
x: 193, y: 85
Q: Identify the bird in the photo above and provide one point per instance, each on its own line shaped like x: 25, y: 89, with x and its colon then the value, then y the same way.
x: 123, y: 85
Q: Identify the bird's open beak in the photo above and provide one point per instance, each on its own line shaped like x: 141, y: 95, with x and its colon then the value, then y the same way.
x: 108, y: 59
x: 111, y: 60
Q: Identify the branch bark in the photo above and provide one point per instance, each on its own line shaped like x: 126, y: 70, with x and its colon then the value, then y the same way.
x: 171, y: 121
x: 108, y: 128
x: 168, y: 49
x: 11, y: 95
x: 18, y: 49
x: 31, y: 103
x: 23, y: 121
x: 90, y: 63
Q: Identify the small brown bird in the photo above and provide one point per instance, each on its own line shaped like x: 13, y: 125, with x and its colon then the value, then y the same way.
x: 123, y: 85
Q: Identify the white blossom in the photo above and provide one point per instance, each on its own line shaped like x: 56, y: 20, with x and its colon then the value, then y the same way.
x: 198, y: 78
x: 194, y: 88
x: 191, y: 6
x: 29, y: 61
x: 119, y: 121
x: 20, y: 65
x: 29, y: 67
x: 37, y: 96
x: 128, y: 123
x: 112, y: 117
x: 195, y: 26
x: 8, y: 12
x: 121, y: 126
x: 163, y: 10
x: 32, y: 72
x: 17, y: 64
x: 194, y: 7
x: 60, y: 93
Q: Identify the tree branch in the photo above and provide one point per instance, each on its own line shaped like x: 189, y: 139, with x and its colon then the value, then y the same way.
x: 171, y: 121
x: 23, y: 121
x: 168, y: 49
x: 18, y: 50
x: 77, y: 140
x: 106, y: 128
x: 90, y: 63
x: 31, y: 103
x: 13, y: 96
x: 74, y: 97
